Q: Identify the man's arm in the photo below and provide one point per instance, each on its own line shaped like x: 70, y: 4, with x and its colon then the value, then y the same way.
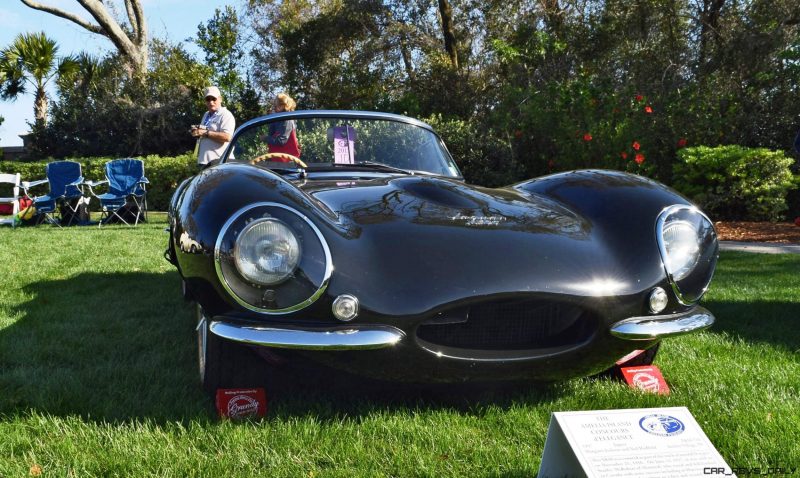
x: 218, y: 136
x: 226, y: 128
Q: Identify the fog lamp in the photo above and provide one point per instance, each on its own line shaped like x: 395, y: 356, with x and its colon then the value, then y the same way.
x: 345, y: 307
x: 658, y: 300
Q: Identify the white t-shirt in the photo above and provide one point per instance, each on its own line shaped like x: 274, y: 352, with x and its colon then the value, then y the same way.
x: 221, y: 120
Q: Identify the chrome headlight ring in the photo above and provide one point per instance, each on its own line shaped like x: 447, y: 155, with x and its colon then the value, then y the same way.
x: 272, y: 259
x: 689, y: 250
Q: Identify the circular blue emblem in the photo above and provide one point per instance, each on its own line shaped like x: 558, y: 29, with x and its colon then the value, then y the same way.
x: 661, y: 425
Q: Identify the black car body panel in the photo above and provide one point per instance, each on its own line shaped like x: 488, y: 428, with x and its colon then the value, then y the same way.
x: 523, y: 281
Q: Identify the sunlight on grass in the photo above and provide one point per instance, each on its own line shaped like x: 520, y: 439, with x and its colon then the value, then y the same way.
x: 97, y: 372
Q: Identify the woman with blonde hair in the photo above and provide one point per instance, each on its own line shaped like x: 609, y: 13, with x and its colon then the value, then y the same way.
x: 282, y: 136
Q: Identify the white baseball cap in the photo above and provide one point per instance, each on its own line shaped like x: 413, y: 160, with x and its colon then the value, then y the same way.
x: 212, y: 91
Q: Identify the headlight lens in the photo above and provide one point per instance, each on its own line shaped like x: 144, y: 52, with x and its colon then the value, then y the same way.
x: 689, y: 250
x: 266, y: 252
x: 681, y: 243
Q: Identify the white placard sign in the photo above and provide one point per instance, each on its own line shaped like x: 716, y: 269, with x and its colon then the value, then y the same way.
x: 643, y: 442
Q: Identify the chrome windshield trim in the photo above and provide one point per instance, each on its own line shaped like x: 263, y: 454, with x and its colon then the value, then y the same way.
x: 303, y: 114
x: 658, y: 327
x: 334, y: 338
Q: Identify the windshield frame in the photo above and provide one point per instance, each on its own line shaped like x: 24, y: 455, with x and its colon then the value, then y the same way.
x: 344, y: 114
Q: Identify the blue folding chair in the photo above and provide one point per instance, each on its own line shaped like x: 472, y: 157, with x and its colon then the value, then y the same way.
x: 66, y: 190
x: 126, y: 198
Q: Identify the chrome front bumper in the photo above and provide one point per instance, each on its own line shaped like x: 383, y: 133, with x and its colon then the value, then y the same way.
x: 370, y: 337
x: 658, y: 327
x: 336, y: 338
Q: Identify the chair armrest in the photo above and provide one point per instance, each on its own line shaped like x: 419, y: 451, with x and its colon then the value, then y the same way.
x: 77, y: 182
x: 144, y: 180
x: 92, y: 184
x: 30, y: 184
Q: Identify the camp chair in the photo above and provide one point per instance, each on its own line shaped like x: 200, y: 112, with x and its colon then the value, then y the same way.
x: 12, y: 202
x: 66, y: 190
x: 126, y: 194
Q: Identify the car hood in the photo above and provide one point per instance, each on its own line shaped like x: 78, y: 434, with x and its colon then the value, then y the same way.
x: 428, y: 237
x: 430, y: 201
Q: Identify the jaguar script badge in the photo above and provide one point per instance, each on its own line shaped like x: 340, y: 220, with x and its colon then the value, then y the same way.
x: 479, y: 220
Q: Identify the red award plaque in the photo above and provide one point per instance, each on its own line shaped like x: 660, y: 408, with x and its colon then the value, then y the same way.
x: 239, y: 404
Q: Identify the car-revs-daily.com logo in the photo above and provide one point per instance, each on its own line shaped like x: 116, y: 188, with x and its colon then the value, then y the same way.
x: 742, y: 471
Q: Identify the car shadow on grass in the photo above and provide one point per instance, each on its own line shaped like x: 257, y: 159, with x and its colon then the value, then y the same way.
x: 775, y: 323
x: 756, y: 298
x: 121, y: 346
x: 301, y: 386
x: 103, y: 346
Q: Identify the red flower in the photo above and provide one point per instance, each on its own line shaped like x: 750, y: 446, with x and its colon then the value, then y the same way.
x: 636, y: 145
x: 648, y: 109
x: 797, y: 221
x: 518, y: 133
x: 682, y: 143
x: 587, y: 137
x: 623, y: 155
x: 639, y: 97
x: 551, y: 164
x: 639, y: 158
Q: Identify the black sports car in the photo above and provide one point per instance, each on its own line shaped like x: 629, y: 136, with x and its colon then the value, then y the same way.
x: 370, y: 253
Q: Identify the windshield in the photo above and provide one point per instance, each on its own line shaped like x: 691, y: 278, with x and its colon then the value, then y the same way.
x: 325, y: 143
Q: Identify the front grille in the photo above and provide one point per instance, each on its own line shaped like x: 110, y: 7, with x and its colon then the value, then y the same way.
x: 510, y: 325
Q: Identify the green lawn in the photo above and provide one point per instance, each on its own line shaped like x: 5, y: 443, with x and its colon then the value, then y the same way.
x: 98, y: 378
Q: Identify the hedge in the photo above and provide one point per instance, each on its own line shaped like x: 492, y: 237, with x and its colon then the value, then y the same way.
x: 163, y: 172
x: 728, y: 182
x: 733, y: 182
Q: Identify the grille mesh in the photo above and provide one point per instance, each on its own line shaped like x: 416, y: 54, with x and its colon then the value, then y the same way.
x: 512, y: 325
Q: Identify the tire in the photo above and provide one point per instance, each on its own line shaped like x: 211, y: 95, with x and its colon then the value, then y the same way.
x: 223, y: 363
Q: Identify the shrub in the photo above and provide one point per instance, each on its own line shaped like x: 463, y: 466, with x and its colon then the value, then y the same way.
x: 735, y: 183
x: 163, y: 172
x: 482, y: 156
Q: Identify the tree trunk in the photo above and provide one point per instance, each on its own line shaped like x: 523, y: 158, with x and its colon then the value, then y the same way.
x: 131, y: 45
x: 40, y: 107
x: 448, y: 30
x: 406, y: 54
x: 709, y: 29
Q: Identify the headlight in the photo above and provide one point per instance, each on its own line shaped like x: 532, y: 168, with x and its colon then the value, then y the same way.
x: 689, y: 249
x: 682, y: 248
x: 272, y: 259
x: 266, y: 252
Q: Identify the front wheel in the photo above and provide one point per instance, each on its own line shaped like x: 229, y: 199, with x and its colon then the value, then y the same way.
x: 223, y: 363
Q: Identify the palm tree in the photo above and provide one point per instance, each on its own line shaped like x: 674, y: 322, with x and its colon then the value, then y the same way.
x: 31, y: 61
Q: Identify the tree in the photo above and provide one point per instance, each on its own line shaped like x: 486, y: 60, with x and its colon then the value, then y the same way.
x: 448, y: 30
x: 219, y: 38
x: 102, y: 111
x: 31, y: 60
x: 130, y: 40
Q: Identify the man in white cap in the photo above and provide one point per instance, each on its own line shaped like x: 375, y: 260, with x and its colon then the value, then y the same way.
x: 215, y: 129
